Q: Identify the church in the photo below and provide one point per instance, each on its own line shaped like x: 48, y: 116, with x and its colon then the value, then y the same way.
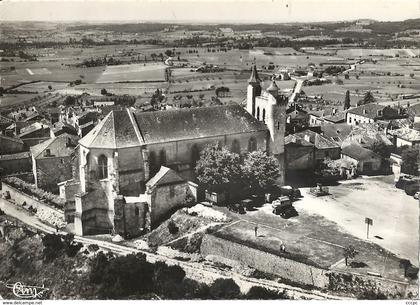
x: 134, y: 168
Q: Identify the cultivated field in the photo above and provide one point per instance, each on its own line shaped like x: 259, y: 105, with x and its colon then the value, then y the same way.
x: 133, y: 73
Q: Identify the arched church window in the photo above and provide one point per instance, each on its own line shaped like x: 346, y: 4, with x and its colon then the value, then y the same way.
x: 252, y: 144
x: 263, y: 115
x: 136, y: 211
x: 278, y: 125
x: 236, y: 147
x: 258, y: 113
x: 162, y: 157
x: 195, y: 155
x: 102, y: 167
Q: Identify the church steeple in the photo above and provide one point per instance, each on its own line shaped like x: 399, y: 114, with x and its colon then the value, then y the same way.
x: 273, y: 89
x: 254, y: 79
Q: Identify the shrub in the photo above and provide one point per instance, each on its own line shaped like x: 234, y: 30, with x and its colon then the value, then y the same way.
x: 262, y: 293
x: 173, y: 229
x: 32, y: 190
x: 224, y: 289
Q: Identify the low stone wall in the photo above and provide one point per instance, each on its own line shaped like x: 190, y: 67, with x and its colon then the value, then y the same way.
x: 266, y: 262
x: 19, y: 198
x: 352, y: 284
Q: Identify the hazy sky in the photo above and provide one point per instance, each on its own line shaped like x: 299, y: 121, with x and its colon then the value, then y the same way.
x: 209, y: 10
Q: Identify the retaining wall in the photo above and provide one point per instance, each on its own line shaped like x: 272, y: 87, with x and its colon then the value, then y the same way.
x: 18, y: 197
x: 266, y: 262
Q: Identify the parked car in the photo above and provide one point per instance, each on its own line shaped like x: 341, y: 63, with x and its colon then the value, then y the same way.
x: 411, y: 188
x: 289, y: 212
x: 237, y: 208
x: 281, y: 204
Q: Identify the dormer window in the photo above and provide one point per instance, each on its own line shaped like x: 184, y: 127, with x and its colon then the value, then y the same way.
x: 379, y: 113
x: 47, y: 153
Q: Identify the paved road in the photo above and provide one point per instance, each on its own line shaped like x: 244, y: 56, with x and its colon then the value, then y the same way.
x: 198, y: 271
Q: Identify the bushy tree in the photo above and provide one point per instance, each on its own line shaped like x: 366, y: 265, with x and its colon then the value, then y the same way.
x: 119, y: 277
x: 347, y: 100
x: 225, y: 289
x: 259, y: 169
x: 368, y: 98
x: 381, y: 149
x: 349, y: 252
x: 218, y: 166
x: 262, y: 293
x: 410, y: 160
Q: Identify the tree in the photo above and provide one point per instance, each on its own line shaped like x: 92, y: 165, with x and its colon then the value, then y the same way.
x: 381, y: 149
x: 347, y: 100
x: 168, y: 53
x: 349, y: 252
x: 410, y: 160
x: 262, y: 293
x: 260, y: 170
x: 405, y: 263
x: 217, y: 166
x: 49, y: 87
x: 70, y: 100
x: 103, y: 91
x: 368, y: 98
x: 225, y: 289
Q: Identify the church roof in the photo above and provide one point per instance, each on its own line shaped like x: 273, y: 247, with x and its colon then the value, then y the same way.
x: 194, y: 123
x: 116, y: 130
x: 254, y: 75
x: 121, y: 128
x: 164, y: 176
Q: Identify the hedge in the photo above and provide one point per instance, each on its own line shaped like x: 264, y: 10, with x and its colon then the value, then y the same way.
x: 30, y: 189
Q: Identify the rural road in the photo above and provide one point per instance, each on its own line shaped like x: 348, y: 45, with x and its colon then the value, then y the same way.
x: 195, y: 270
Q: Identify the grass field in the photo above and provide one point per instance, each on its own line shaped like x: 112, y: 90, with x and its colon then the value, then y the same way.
x: 133, y: 73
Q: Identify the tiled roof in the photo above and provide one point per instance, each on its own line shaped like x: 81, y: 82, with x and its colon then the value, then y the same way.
x: 358, y: 152
x: 5, y: 138
x: 406, y: 134
x: 21, y: 155
x: 58, y: 147
x: 116, y: 130
x: 31, y: 128
x: 193, y: 123
x: 164, y: 176
x: 336, y: 132
x: 316, y: 139
x: 293, y: 140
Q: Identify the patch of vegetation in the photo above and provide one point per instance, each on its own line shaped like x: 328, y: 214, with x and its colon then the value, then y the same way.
x: 32, y: 190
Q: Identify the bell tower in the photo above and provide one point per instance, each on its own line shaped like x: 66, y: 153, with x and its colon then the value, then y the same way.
x: 253, y: 90
x: 276, y: 124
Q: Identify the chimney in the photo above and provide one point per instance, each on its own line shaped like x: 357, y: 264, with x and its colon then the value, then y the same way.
x: 307, y: 138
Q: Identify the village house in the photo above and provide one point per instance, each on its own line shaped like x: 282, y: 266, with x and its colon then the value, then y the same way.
x: 370, y: 113
x: 35, y: 134
x: 15, y: 163
x: 306, y: 149
x: 326, y: 116
x: 365, y: 160
x: 10, y: 145
x: 121, y: 156
x: 51, y: 161
x: 405, y: 137
x: 296, y: 118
